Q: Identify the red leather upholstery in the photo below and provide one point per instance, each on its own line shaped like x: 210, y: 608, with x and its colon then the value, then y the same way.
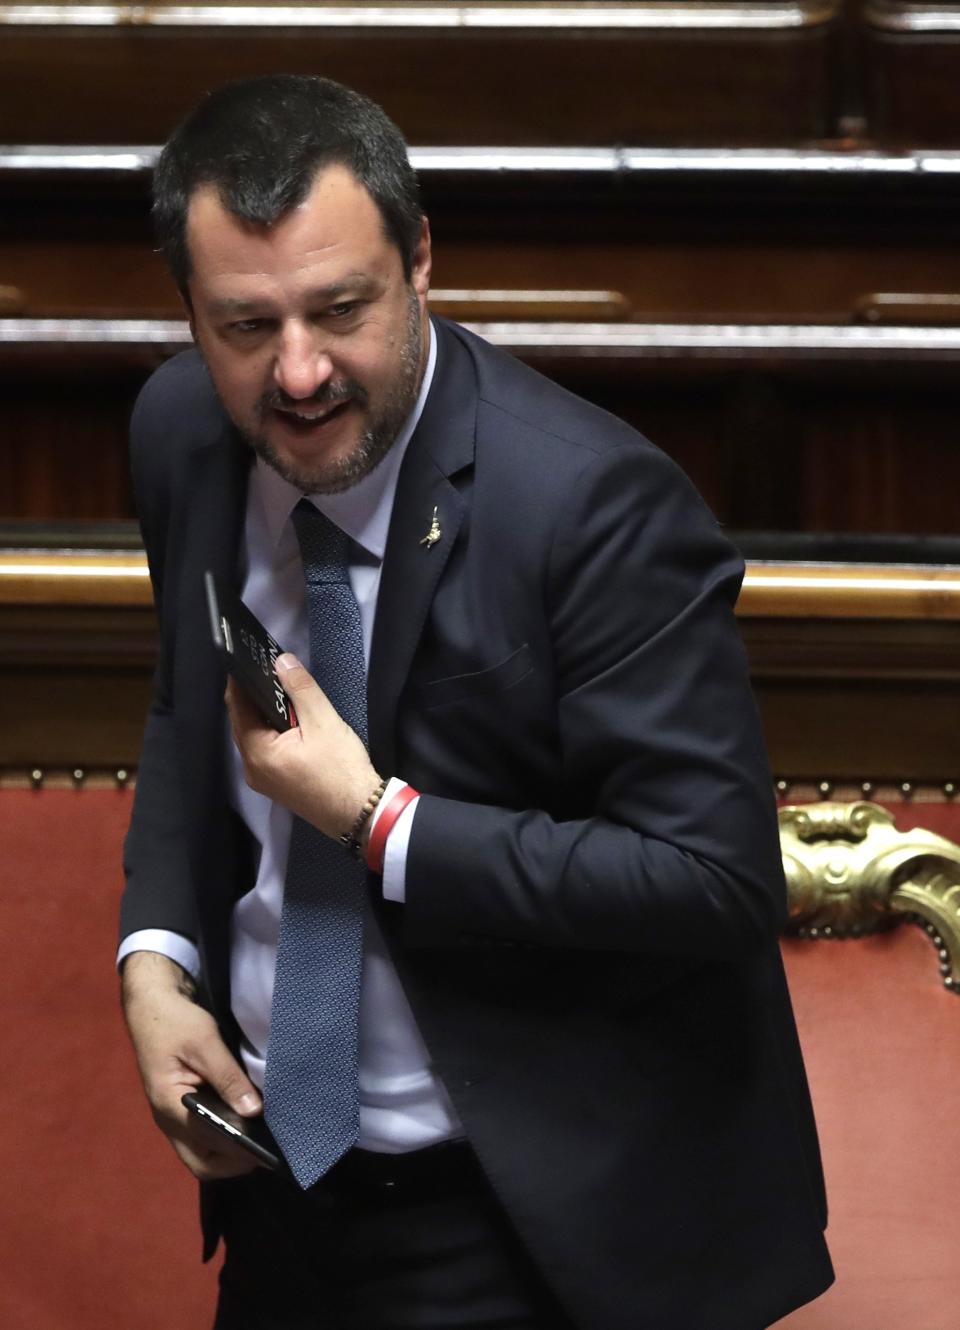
x: 98, y: 1217
x: 881, y: 1037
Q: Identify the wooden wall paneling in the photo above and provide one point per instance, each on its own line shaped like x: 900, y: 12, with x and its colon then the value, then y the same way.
x: 63, y: 451
x: 880, y: 456
x: 77, y: 648
x: 747, y: 72
x: 760, y: 445
x: 873, y: 450
x: 77, y: 276
x: 843, y: 728
x: 686, y: 279
x: 856, y: 670
x: 731, y: 432
x: 75, y: 684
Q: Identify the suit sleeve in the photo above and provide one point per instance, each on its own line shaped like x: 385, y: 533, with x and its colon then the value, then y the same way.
x: 675, y: 850
x: 158, y: 892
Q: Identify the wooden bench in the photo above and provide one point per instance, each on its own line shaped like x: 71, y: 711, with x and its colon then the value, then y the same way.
x: 911, y: 61
x: 723, y: 302
x: 488, y: 72
x: 794, y: 427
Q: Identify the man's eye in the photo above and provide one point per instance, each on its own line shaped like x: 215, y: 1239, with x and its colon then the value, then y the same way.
x: 247, y: 325
x: 344, y: 309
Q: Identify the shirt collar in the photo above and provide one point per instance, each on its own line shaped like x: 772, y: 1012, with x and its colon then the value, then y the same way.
x: 364, y: 510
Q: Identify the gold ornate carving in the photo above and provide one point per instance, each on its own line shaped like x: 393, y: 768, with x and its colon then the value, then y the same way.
x: 850, y: 872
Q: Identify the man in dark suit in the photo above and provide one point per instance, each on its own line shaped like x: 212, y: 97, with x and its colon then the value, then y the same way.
x: 574, y: 1094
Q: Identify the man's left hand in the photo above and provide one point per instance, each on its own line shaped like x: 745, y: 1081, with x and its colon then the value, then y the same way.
x: 320, y: 770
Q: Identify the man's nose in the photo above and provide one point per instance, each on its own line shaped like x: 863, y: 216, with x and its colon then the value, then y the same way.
x: 303, y: 364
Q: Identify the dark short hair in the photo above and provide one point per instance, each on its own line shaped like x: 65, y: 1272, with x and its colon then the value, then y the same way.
x: 260, y: 142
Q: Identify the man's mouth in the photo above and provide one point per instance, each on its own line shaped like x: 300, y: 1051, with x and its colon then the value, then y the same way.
x: 305, y: 418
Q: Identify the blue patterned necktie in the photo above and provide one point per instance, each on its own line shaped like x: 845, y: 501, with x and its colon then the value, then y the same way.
x: 310, y: 1089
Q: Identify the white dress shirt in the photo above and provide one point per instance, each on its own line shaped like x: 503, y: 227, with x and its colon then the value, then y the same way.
x: 403, y: 1105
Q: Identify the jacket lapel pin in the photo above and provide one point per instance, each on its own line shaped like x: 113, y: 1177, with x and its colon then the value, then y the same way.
x: 434, y: 534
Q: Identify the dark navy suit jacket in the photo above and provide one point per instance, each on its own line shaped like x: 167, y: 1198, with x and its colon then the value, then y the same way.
x: 594, y: 884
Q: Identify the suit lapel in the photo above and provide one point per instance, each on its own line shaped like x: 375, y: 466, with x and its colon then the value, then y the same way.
x: 442, y: 446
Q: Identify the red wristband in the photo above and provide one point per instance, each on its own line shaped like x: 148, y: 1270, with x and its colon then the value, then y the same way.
x: 377, y: 844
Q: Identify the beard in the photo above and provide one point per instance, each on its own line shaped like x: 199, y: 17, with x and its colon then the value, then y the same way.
x: 333, y: 475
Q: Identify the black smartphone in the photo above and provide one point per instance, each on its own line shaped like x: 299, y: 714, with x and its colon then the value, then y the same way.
x: 250, y: 653
x: 245, y: 1132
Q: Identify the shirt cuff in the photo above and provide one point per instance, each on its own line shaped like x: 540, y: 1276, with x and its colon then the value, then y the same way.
x: 173, y: 945
x: 395, y: 851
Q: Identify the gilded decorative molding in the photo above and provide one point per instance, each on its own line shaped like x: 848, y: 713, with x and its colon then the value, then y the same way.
x: 851, y: 872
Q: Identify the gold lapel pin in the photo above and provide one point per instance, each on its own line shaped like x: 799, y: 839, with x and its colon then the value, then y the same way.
x: 434, y: 534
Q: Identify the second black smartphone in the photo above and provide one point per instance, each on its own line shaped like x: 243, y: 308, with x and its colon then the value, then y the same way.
x: 207, y: 1105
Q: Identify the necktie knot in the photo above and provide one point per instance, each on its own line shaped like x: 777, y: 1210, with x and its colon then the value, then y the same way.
x: 323, y: 546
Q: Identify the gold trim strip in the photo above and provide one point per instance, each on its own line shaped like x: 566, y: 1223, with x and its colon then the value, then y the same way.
x: 74, y: 579
x: 770, y: 590
x: 849, y: 591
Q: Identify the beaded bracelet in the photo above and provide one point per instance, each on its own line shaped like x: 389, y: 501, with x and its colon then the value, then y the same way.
x: 351, y: 839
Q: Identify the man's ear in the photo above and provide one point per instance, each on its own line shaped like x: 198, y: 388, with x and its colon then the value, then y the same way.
x: 422, y: 262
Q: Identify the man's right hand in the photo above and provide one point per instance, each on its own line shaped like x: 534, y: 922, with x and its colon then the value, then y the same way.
x: 178, y: 1047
